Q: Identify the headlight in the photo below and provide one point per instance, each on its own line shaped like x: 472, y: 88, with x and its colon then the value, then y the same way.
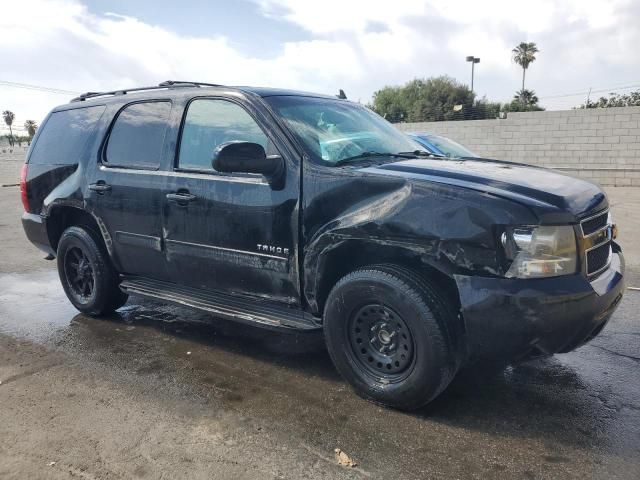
x: 540, y: 251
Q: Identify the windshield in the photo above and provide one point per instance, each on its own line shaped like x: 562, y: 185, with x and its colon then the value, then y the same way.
x: 336, y: 130
x: 444, y: 146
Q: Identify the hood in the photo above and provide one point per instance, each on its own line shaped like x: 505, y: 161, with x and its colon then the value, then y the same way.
x: 554, y: 196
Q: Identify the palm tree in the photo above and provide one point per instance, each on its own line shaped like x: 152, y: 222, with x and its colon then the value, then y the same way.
x: 526, y: 97
x: 8, y: 119
x: 524, y: 54
x: 31, y: 126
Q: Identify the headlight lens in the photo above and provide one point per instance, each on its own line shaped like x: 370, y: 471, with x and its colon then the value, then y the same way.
x: 540, y: 251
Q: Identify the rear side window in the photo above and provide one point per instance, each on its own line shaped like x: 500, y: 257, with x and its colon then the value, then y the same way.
x: 65, y: 136
x: 137, y: 136
x: 211, y: 122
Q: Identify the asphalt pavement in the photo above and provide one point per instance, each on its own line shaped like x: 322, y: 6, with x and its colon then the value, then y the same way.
x: 159, y: 391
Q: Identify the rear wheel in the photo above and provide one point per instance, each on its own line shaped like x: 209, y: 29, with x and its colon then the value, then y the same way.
x: 86, y: 273
x: 386, y: 333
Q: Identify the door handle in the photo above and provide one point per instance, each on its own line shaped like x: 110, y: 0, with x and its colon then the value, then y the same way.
x: 100, y: 187
x: 182, y: 198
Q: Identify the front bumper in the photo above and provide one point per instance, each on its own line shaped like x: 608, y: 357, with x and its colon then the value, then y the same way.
x: 36, y: 230
x: 514, y: 319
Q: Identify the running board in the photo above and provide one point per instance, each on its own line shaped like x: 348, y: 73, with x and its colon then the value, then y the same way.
x: 253, y: 311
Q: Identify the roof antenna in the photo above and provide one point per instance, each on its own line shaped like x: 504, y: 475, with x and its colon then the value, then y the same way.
x: 342, y: 95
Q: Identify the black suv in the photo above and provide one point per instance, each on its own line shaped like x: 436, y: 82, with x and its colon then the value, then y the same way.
x: 300, y: 211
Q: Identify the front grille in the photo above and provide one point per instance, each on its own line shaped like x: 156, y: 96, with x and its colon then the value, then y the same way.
x: 594, y: 224
x: 598, y: 258
x: 596, y: 242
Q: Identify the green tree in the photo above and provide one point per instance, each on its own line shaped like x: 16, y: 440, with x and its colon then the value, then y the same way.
x: 631, y: 99
x: 524, y: 55
x: 526, y: 97
x: 8, y: 119
x: 31, y: 126
x: 432, y: 99
x: 523, y: 101
x: 484, y: 109
x: 390, y: 103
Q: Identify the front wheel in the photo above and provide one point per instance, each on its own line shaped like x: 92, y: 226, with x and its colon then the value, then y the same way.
x: 86, y: 273
x: 386, y: 333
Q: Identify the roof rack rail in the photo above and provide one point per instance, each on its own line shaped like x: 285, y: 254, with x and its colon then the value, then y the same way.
x: 164, y: 85
x: 179, y: 83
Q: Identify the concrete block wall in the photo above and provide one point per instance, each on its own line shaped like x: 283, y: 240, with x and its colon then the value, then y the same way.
x: 600, y: 144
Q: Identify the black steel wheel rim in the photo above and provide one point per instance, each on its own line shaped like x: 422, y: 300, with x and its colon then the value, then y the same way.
x: 79, y: 273
x: 381, y: 342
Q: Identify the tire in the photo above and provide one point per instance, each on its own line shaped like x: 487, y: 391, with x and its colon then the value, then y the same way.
x: 386, y: 332
x: 86, y: 273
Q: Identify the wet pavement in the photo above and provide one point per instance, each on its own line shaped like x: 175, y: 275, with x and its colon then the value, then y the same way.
x: 159, y: 391
x: 572, y: 416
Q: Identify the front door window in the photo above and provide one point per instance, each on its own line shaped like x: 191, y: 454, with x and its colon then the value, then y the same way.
x: 209, y: 123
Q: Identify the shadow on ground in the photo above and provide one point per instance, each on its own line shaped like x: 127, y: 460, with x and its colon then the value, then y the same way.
x: 526, y: 400
x: 576, y: 407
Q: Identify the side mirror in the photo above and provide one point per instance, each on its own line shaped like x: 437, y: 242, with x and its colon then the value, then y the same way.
x: 247, y: 157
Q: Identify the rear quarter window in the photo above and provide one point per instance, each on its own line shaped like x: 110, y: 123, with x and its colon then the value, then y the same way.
x: 65, y: 136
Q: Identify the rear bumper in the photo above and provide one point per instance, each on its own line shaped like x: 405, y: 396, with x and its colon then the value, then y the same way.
x: 36, y: 230
x: 514, y: 319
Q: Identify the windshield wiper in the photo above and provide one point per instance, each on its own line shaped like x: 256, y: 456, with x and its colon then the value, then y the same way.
x: 370, y: 154
x: 423, y: 153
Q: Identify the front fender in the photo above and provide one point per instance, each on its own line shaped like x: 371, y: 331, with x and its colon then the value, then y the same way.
x: 366, y: 219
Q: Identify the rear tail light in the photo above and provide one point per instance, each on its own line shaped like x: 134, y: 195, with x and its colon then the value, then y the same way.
x: 23, y: 187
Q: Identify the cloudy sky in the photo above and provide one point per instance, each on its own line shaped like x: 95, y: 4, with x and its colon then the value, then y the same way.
x: 359, y: 46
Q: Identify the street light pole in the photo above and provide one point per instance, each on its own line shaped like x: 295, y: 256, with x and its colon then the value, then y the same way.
x: 473, y: 61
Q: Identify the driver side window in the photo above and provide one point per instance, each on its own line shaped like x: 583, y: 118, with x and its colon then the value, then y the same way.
x: 211, y: 122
